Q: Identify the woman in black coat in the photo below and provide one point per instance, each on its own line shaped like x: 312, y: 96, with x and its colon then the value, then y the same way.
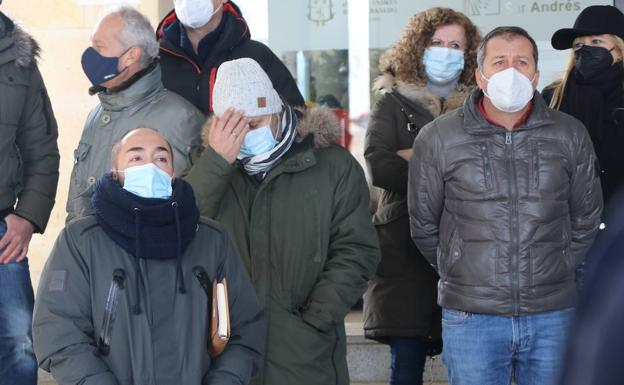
x: 592, y: 87
x: 427, y: 72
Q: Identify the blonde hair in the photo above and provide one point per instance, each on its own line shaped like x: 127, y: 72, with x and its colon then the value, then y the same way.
x: 404, y: 58
x: 560, y: 85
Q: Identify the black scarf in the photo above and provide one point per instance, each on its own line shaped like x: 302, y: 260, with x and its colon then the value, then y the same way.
x: 593, y: 101
x: 147, y: 228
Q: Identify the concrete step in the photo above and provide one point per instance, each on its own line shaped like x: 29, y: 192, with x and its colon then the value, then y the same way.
x: 369, y: 361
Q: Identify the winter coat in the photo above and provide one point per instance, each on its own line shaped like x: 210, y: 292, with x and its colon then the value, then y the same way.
x: 504, y: 216
x: 608, y: 148
x: 195, y: 81
x: 144, y: 104
x: 401, y: 297
x: 28, y: 139
x: 596, y: 345
x: 307, y: 240
x: 166, y: 342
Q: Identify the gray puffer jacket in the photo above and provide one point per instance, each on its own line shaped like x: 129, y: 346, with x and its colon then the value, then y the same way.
x: 505, y: 217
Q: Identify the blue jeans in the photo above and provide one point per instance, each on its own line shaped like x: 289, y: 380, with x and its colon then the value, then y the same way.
x: 407, y: 360
x: 18, y: 365
x: 492, y: 350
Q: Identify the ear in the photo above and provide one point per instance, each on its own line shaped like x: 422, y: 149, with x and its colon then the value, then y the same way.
x: 536, y: 79
x: 114, y: 174
x: 482, y: 83
x: 132, y: 56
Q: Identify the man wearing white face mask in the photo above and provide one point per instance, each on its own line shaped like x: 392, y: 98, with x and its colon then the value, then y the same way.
x: 122, y: 298
x: 198, y: 35
x: 504, y: 202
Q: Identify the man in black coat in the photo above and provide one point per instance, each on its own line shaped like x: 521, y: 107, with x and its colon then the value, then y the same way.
x: 198, y: 35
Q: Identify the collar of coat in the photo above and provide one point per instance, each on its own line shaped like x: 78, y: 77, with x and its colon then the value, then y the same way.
x: 150, y: 83
x: 419, y: 94
x: 16, y: 45
x: 318, y: 125
x: 476, y: 124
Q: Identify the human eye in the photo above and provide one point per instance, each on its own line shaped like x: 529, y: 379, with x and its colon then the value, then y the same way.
x: 435, y: 43
x: 597, y: 41
x: 456, y: 46
x: 576, y: 46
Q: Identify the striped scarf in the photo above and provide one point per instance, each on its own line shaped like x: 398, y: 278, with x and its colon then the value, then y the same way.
x: 259, y: 165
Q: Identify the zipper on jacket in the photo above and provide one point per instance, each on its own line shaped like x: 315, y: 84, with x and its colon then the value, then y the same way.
x: 119, y: 276
x: 513, y: 223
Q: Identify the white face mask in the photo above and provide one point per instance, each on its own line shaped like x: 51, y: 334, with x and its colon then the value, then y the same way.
x: 509, y: 90
x: 194, y: 13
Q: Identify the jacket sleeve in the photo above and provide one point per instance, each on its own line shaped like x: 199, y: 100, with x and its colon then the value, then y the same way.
x: 63, y: 332
x: 282, y: 79
x: 425, y: 193
x: 353, y: 252
x: 585, y: 200
x: 209, y: 175
x: 388, y: 170
x: 243, y: 353
x: 37, y: 143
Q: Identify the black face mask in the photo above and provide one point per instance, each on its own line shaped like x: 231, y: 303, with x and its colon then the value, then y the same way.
x: 591, y: 61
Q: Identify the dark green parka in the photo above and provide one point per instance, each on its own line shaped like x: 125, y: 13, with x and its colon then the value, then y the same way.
x: 306, y: 238
x: 29, y: 157
x: 401, y: 297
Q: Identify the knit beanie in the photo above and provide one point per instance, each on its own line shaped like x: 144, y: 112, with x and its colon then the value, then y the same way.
x: 243, y: 85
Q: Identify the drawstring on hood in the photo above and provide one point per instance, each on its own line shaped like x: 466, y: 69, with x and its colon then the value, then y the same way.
x: 147, y: 228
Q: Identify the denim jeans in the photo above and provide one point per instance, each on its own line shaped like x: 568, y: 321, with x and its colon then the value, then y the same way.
x: 18, y: 365
x: 407, y: 360
x: 484, y: 349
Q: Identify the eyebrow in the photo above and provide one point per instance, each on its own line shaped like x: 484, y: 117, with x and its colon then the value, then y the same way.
x: 159, y: 148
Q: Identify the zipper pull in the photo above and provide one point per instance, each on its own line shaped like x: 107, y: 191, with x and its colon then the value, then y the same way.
x: 508, y: 138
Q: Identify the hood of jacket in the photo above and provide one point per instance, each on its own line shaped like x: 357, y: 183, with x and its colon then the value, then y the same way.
x: 16, y: 45
x: 388, y: 82
x: 317, y: 122
x: 150, y: 83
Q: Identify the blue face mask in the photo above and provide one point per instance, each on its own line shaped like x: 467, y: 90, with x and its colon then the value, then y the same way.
x: 443, y: 65
x: 257, y: 141
x: 147, y: 181
x: 99, y: 69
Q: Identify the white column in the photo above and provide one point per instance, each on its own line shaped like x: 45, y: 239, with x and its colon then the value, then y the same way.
x: 359, y: 38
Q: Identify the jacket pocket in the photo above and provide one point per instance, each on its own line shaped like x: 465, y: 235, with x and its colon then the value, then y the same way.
x: 110, y: 312
x: 79, y: 171
x: 487, y: 166
x: 452, y: 256
x: 551, y: 263
x: 534, y: 161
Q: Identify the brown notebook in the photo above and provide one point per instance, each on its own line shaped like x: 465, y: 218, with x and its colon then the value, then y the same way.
x: 219, y: 318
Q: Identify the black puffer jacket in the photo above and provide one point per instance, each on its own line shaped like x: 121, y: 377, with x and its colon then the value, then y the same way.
x: 195, y: 81
x: 505, y: 217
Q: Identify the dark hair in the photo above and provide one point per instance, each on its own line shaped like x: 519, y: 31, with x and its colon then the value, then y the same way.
x: 507, y: 33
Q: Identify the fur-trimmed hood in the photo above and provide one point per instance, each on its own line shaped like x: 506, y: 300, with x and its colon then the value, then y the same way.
x: 320, y: 122
x: 387, y: 83
x: 16, y: 44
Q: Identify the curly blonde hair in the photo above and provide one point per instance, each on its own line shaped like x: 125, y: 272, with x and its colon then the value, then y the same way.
x: 404, y: 58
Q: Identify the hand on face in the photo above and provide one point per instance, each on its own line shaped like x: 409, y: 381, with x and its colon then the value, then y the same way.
x: 227, y: 133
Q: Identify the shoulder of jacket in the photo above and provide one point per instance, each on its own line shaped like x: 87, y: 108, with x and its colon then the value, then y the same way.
x: 211, y: 225
x: 82, y: 226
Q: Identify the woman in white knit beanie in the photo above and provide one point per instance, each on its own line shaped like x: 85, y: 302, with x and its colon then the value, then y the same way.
x: 296, y: 205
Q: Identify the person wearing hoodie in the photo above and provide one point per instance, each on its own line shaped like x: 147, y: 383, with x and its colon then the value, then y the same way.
x: 198, y: 36
x: 428, y: 71
x: 29, y: 160
x: 296, y: 205
x: 121, y: 299
x: 122, y: 65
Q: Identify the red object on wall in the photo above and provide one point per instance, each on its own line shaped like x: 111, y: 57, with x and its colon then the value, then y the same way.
x: 343, y: 120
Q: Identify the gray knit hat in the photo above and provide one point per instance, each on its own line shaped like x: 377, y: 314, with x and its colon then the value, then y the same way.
x: 243, y: 85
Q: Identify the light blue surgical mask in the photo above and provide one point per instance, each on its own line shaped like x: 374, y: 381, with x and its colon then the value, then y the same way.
x: 147, y: 181
x: 443, y: 65
x: 257, y: 141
